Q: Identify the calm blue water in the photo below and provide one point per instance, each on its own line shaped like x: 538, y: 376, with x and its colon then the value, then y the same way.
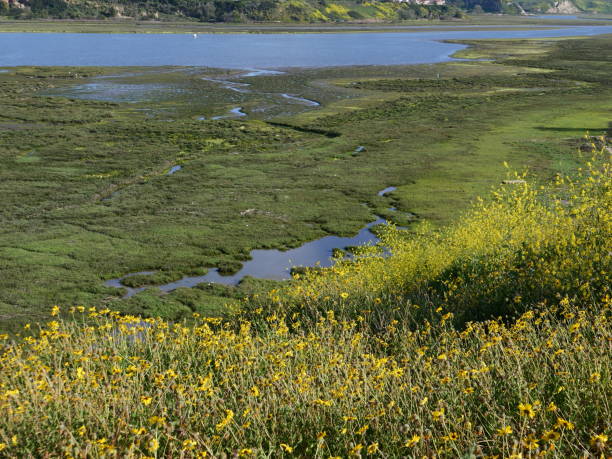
x: 247, y: 51
x: 268, y: 264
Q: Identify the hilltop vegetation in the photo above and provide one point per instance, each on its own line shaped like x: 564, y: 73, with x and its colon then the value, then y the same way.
x: 380, y: 357
x: 243, y: 11
x: 534, y: 6
x: 230, y: 10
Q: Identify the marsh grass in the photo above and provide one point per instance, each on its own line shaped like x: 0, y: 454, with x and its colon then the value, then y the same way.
x: 85, y: 197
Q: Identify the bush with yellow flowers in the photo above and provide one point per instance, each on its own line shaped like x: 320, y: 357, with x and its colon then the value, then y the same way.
x: 378, y: 357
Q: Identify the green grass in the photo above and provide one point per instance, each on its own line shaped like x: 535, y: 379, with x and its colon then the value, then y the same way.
x: 441, y: 142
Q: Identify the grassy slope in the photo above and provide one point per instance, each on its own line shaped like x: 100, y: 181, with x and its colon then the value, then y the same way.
x: 348, y: 363
x: 59, y: 241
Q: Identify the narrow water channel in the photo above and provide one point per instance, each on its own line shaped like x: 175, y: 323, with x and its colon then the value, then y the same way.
x: 272, y: 263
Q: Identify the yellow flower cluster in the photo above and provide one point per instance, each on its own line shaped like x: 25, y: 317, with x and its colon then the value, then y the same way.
x: 110, y: 387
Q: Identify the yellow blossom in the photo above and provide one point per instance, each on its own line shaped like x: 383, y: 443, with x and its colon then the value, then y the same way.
x: 599, y: 440
x: 229, y: 416
x: 188, y: 445
x: 412, y: 441
x: 564, y: 424
x: 526, y: 409
x: 153, y: 445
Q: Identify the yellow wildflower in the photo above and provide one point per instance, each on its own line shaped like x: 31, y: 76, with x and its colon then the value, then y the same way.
x: 437, y: 414
x: 285, y: 447
x: 599, y: 440
x: 413, y: 441
x: 356, y: 450
x: 595, y: 377
x: 229, y: 416
x: 526, y: 409
x: 530, y: 442
x: 563, y: 424
x: 153, y: 445
x: 157, y: 420
x: 506, y: 430
x: 550, y: 436
x: 188, y: 445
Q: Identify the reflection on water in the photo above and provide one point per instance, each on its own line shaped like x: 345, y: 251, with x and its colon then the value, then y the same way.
x: 109, y: 91
x: 387, y: 190
x: 231, y: 85
x: 275, y: 264
x: 260, y: 72
x: 256, y: 51
x: 130, y: 291
x: 308, y: 102
x: 234, y: 113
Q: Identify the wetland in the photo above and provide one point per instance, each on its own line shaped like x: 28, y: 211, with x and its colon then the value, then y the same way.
x: 184, y: 176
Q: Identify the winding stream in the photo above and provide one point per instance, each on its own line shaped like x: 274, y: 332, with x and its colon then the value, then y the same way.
x: 271, y: 263
x: 241, y: 88
x: 234, y: 113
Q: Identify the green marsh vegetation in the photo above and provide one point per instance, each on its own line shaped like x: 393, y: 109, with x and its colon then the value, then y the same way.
x: 86, y: 198
x: 128, y: 25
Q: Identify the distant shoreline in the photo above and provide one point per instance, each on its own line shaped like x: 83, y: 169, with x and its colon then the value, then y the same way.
x: 494, y: 22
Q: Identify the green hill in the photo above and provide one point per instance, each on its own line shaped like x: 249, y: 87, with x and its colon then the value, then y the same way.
x: 286, y: 10
x: 534, y: 6
x: 228, y: 10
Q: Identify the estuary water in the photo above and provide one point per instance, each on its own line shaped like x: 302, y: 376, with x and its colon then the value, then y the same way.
x: 254, y: 51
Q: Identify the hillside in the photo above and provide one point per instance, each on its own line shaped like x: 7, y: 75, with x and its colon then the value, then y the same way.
x: 378, y: 358
x: 288, y: 10
x: 534, y: 6
x: 228, y: 10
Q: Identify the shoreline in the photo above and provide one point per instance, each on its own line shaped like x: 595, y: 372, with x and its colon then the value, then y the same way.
x: 501, y: 22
